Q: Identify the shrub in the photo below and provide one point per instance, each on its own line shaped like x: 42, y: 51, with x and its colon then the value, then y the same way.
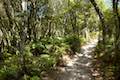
x: 74, y: 43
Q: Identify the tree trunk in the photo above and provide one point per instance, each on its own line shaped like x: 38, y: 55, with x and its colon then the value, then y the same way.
x: 117, y: 39
x: 102, y: 20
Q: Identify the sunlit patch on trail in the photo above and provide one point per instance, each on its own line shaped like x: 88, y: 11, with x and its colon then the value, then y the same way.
x: 80, y: 66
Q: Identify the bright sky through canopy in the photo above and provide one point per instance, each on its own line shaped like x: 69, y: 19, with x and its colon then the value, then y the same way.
x: 108, y: 3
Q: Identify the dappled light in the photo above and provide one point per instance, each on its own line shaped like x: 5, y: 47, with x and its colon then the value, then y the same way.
x: 80, y: 66
x: 59, y: 39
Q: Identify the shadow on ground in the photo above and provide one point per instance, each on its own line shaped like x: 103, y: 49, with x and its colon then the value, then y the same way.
x: 78, y: 68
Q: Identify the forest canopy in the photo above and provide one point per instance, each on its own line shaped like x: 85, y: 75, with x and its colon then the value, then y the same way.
x: 35, y: 35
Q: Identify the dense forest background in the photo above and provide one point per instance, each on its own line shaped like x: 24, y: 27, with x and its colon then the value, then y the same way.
x: 36, y: 34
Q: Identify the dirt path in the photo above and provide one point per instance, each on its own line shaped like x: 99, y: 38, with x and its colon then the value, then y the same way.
x: 79, y: 67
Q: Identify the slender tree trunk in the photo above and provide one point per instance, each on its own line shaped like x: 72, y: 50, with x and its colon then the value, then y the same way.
x: 74, y: 22
x: 1, y: 50
x: 117, y: 23
x: 102, y: 20
x: 117, y: 39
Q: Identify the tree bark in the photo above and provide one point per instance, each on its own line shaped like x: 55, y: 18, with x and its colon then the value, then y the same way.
x: 117, y: 39
x: 102, y: 20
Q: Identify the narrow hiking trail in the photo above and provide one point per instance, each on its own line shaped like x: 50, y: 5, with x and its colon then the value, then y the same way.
x: 79, y: 67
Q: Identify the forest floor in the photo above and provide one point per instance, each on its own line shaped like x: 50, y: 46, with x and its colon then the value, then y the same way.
x: 79, y: 67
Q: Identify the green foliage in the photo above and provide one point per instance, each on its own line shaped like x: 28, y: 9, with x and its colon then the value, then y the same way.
x: 47, y: 62
x: 26, y: 77
x: 40, y: 56
x: 74, y: 42
x: 39, y: 37
x: 8, y: 71
x: 35, y: 78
